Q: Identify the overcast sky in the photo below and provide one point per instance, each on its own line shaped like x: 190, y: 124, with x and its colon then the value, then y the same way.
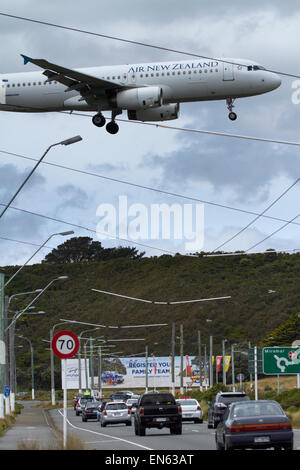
x: 242, y: 174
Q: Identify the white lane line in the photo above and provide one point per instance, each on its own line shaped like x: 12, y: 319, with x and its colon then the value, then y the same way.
x: 105, y: 435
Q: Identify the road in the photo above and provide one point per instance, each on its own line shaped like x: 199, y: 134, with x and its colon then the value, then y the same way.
x: 119, y: 437
x: 122, y: 437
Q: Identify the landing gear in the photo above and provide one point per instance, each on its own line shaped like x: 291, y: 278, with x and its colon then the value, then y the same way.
x: 111, y: 127
x: 232, y: 116
x: 98, y: 120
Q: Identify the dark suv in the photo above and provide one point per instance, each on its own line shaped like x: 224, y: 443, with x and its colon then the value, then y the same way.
x: 219, y: 405
x: 157, y: 410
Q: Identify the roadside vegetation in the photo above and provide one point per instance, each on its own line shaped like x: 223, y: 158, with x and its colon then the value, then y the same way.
x: 8, y: 420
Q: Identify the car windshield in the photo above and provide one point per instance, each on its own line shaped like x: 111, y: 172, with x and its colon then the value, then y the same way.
x: 116, y: 406
x: 231, y: 398
x: 92, y: 405
x: 187, y: 402
x: 257, y: 409
x: 158, y: 399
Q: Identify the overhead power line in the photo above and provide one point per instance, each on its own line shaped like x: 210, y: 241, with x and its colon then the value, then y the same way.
x: 260, y: 215
x: 161, y: 302
x: 148, y: 188
x: 136, y: 43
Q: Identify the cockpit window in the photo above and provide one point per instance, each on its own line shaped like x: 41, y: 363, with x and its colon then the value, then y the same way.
x: 256, y: 67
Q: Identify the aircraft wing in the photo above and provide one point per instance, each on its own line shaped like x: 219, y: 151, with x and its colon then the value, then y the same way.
x: 73, y: 79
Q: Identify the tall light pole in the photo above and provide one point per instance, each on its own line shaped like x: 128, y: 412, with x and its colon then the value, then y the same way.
x: 70, y: 141
x: 7, y: 303
x: 42, y: 291
x: 12, y: 357
x: 224, y: 362
x: 2, y: 347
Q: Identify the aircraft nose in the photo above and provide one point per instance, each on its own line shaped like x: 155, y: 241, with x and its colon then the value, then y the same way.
x: 274, y: 81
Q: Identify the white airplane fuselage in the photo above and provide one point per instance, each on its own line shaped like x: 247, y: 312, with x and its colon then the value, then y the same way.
x: 182, y: 81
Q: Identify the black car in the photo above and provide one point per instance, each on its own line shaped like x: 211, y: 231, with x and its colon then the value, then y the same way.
x: 220, y: 404
x: 120, y: 396
x: 255, y: 424
x: 90, y: 411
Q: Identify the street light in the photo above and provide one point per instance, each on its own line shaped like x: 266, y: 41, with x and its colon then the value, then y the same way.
x: 42, y: 291
x: 6, y: 309
x: 12, y: 362
x: 53, y: 234
x: 72, y: 140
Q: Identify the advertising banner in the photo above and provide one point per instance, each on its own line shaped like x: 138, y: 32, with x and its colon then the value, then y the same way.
x: 128, y: 372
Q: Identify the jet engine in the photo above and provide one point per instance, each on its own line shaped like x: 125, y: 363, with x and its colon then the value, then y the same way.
x: 139, y: 98
x: 166, y: 112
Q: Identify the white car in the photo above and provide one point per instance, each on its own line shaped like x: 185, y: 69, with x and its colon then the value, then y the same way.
x: 191, y: 410
x: 131, y: 402
x: 115, y: 412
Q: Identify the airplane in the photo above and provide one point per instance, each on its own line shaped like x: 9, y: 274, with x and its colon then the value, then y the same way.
x: 148, y: 91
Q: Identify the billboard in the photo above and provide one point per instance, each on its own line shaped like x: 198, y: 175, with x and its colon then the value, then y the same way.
x: 129, y: 372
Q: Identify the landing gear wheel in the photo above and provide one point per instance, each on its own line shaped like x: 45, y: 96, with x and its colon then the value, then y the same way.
x: 112, y: 127
x: 98, y: 120
x: 232, y: 116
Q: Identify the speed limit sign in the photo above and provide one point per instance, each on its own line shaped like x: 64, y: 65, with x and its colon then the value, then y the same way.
x: 65, y: 344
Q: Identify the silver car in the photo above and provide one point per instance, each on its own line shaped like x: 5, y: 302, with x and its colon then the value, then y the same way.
x: 115, y: 412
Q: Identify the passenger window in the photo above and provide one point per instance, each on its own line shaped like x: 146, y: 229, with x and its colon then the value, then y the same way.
x: 250, y: 67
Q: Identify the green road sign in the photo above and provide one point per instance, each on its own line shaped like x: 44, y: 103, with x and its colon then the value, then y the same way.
x: 281, y: 360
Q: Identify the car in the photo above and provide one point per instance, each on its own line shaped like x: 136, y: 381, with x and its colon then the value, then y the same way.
x: 82, y: 403
x: 191, y: 409
x: 90, y: 411
x: 115, y: 413
x: 131, y: 403
x: 257, y: 424
x: 100, y: 409
x: 120, y: 396
x: 219, y: 405
x: 75, y: 399
x: 157, y: 410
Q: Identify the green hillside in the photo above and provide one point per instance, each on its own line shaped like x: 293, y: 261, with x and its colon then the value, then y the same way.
x: 264, y: 292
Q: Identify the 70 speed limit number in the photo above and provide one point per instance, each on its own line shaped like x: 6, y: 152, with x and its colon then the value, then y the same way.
x: 65, y: 344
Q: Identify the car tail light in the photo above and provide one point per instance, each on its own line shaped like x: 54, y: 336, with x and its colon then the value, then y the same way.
x: 105, y: 412
x: 141, y: 411
x: 179, y: 410
x: 260, y: 427
x: 129, y: 411
x: 198, y: 408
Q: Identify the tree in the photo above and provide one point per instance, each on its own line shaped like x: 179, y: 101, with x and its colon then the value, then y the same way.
x: 82, y: 249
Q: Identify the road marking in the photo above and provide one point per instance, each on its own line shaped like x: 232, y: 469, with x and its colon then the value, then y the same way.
x: 105, y: 435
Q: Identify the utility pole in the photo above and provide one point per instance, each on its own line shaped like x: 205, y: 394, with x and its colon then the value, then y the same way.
x: 199, y: 354
x: 146, y: 354
x: 224, y: 361
x: 100, y: 371
x: 92, y: 365
x: 211, y: 379
x: 181, y: 359
x: 173, y: 358
x: 232, y: 368
x: 2, y: 346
